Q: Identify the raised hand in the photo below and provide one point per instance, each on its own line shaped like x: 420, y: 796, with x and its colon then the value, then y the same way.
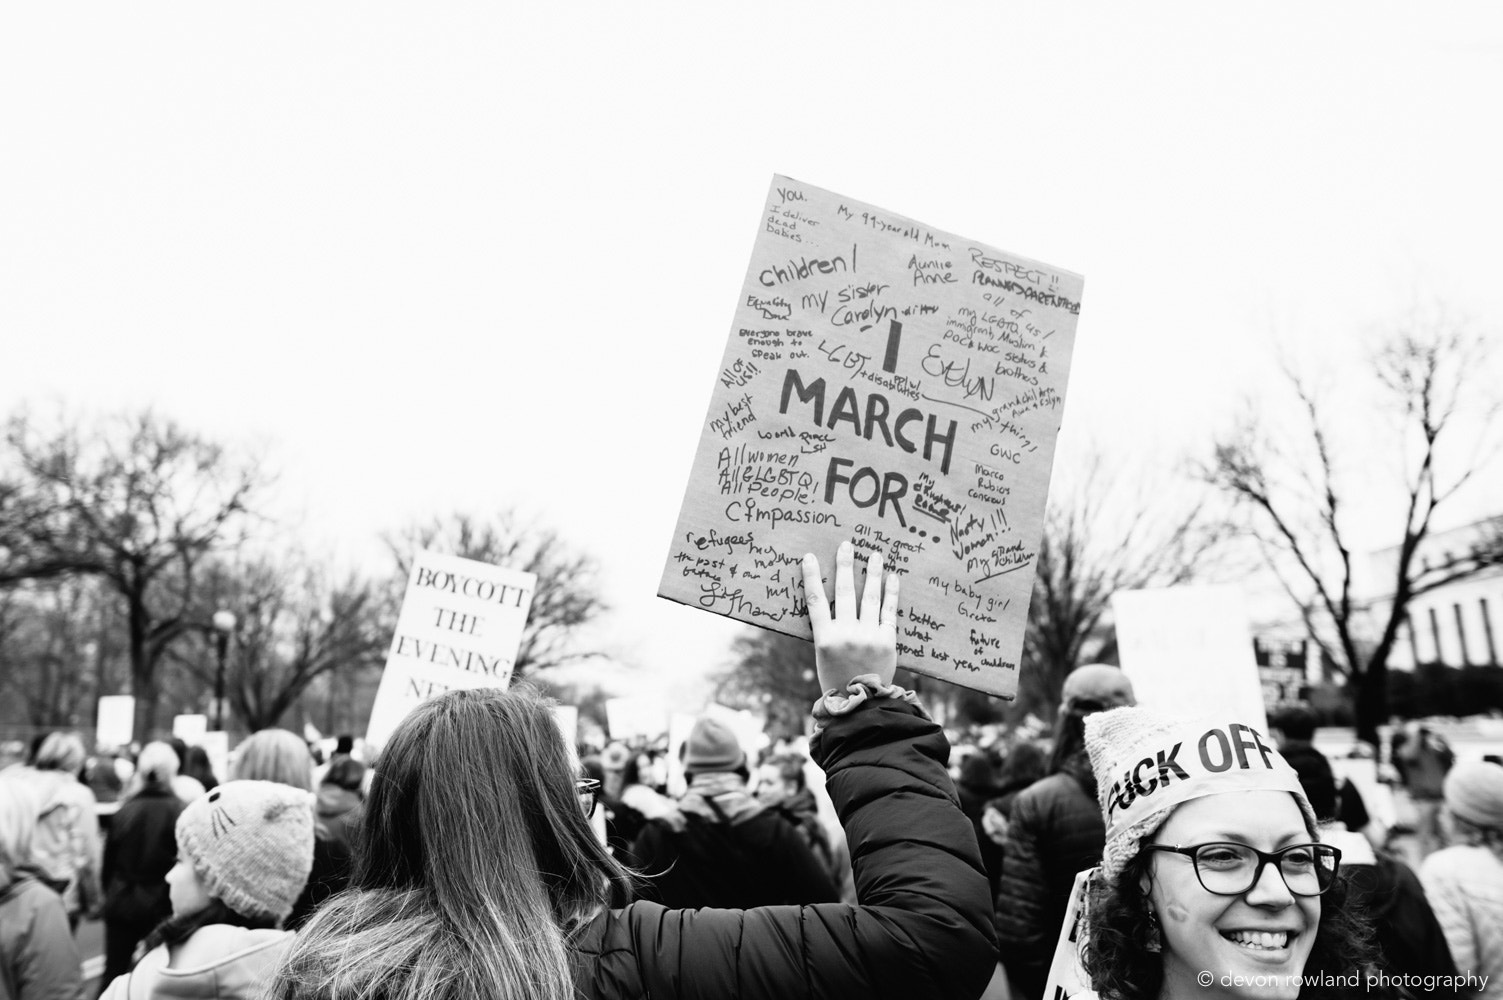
x: 851, y: 643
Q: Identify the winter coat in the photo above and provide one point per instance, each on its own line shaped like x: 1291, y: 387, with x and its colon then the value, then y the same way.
x: 138, y: 853
x: 65, y: 845
x: 219, y: 962
x: 731, y: 853
x: 38, y: 959
x: 922, y: 929
x: 1465, y: 889
x: 1055, y: 831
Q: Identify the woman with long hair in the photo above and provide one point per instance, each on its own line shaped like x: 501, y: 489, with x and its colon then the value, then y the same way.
x: 478, y: 874
x: 1213, y: 882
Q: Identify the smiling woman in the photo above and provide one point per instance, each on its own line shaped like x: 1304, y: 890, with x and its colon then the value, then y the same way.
x: 1213, y: 882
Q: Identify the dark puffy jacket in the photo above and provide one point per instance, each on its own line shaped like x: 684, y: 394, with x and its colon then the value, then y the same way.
x: 921, y: 929
x: 1054, y: 832
x: 139, y: 851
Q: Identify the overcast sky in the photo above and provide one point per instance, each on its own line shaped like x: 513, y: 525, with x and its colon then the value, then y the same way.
x: 474, y: 256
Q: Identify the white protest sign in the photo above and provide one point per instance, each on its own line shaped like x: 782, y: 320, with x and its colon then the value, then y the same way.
x: 117, y: 720
x: 190, y: 728
x: 459, y: 627
x: 1189, y: 649
x: 1067, y: 977
x: 891, y: 384
x: 636, y: 718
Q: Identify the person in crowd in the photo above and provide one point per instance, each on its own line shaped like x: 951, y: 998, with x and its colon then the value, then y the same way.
x: 1212, y: 868
x: 65, y: 845
x: 103, y: 779
x: 1294, y: 729
x: 282, y: 756
x: 629, y: 801
x: 1380, y: 887
x: 138, y: 852
x: 1464, y: 881
x: 1054, y: 832
x: 478, y: 874
x: 38, y: 958
x: 732, y: 852
x: 340, y: 804
x: 244, y: 851
x: 185, y: 786
x: 1424, y: 758
x: 1024, y: 764
x: 782, y: 786
x: 196, y: 765
x: 976, y: 785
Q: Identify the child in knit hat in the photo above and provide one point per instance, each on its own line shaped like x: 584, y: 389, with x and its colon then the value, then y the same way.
x: 1213, y: 881
x: 244, y: 853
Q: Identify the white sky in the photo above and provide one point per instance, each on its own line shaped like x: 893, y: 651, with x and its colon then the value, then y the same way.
x: 471, y: 256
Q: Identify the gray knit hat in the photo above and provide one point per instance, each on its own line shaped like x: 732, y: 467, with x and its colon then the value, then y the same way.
x: 251, y: 843
x: 1147, y: 763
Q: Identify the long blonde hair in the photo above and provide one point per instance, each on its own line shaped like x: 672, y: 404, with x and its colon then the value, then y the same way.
x: 475, y: 866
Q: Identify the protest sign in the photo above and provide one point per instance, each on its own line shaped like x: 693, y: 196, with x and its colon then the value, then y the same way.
x: 216, y: 743
x: 891, y: 384
x: 1067, y: 977
x: 1189, y: 648
x: 459, y: 627
x: 190, y: 728
x: 636, y: 718
x: 117, y: 720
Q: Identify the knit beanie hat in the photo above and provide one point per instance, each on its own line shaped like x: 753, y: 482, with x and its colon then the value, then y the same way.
x: 251, y: 843
x: 1094, y: 687
x: 711, y: 747
x: 1474, y: 792
x: 1148, y: 763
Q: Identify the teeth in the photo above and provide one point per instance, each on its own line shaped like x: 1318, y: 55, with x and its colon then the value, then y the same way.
x: 1269, y: 940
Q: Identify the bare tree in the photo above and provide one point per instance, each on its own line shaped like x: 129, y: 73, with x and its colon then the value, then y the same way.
x: 139, y: 505
x: 292, y: 626
x: 771, y: 673
x: 566, y: 595
x: 1430, y: 373
x: 1106, y: 532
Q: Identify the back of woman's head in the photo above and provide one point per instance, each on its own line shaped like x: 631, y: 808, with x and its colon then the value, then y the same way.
x: 347, y: 773
x: 275, y: 755
x: 474, y: 867
x: 18, y: 818
x: 196, y: 765
x: 157, y: 765
x: 61, y: 752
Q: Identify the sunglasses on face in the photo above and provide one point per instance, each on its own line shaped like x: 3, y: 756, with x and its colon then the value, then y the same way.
x: 1228, y: 869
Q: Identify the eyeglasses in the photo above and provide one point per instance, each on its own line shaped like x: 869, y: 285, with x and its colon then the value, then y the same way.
x: 588, y: 790
x: 1231, y: 869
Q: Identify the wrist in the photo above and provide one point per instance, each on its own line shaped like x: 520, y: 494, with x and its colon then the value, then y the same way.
x: 858, y: 691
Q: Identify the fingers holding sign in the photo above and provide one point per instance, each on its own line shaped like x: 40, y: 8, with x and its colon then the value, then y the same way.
x: 849, y: 643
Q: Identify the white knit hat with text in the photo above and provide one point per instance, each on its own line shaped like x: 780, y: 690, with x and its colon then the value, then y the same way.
x: 251, y: 843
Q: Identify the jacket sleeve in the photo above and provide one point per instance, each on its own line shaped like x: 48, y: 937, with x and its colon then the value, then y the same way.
x: 1448, y: 900
x: 1021, y: 892
x: 47, y: 967
x: 805, y: 877
x: 922, y: 923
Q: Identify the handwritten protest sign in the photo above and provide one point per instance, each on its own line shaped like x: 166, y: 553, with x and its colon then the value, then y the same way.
x: 459, y: 627
x: 1189, y: 647
x: 896, y: 385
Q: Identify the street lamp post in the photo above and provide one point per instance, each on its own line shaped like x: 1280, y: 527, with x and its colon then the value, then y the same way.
x: 224, y: 624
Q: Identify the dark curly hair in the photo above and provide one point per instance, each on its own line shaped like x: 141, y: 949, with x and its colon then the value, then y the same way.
x: 1120, y: 965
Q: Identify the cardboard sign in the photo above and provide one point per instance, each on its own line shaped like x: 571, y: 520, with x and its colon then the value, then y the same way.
x: 117, y: 720
x: 190, y: 728
x: 1067, y: 977
x: 459, y: 627
x: 1189, y: 648
x: 894, y: 385
x: 636, y: 718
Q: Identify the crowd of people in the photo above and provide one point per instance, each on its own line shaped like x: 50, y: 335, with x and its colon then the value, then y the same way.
x: 1129, y: 854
